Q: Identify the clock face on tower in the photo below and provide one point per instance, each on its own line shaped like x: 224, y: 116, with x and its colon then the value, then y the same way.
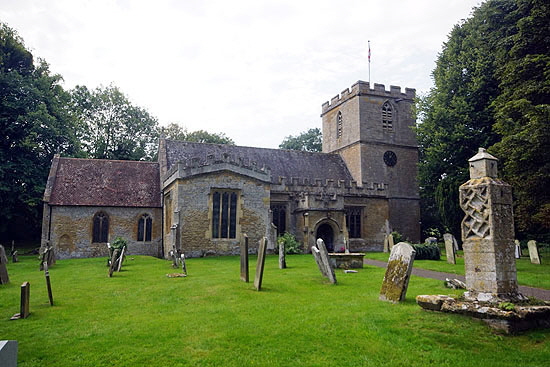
x: 390, y: 158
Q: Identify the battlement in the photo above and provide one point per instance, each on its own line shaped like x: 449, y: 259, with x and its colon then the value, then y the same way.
x: 347, y: 187
x: 362, y: 88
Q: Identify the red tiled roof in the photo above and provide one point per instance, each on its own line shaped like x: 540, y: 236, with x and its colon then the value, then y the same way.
x: 98, y: 182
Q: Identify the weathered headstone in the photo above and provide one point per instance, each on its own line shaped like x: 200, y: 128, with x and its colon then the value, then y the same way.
x: 317, y: 256
x: 282, y: 255
x: 244, y: 258
x: 386, y: 244
x: 262, y: 247
x: 48, y: 283
x: 390, y: 241
x: 449, y: 248
x: 47, y: 255
x: 533, y: 252
x: 517, y: 247
x: 430, y: 241
x: 121, y: 259
x: 323, y: 255
x: 25, y: 300
x: 8, y: 353
x: 4, y: 277
x: 113, y: 263
x: 398, y: 272
x: 183, y: 265
x: 14, y: 257
x: 488, y: 233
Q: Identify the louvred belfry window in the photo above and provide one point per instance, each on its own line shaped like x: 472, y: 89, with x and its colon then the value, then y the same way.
x: 387, y: 116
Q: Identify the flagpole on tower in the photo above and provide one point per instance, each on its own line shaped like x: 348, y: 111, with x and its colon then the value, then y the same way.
x: 369, y: 62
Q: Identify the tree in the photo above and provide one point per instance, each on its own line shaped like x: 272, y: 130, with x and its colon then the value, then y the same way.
x: 491, y: 83
x: 308, y: 141
x: 113, y: 128
x: 175, y: 132
x: 35, y: 123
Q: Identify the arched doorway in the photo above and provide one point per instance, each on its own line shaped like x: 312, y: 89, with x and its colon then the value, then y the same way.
x: 325, y: 232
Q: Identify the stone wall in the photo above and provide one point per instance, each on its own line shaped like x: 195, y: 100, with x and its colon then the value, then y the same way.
x: 194, y: 202
x: 71, y: 228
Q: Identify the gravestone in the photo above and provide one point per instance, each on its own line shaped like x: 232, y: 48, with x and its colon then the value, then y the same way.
x: 113, y: 263
x: 183, y: 265
x: 47, y: 255
x: 25, y: 300
x: 48, y: 283
x: 325, y: 262
x: 262, y: 247
x: 431, y: 241
x: 449, y: 248
x: 488, y: 233
x: 244, y: 258
x: 282, y: 255
x: 517, y: 247
x: 8, y: 353
x: 391, y: 242
x: 533, y: 252
x: 455, y: 243
x: 121, y: 259
x: 317, y: 255
x: 388, y: 242
x: 14, y: 257
x: 398, y: 272
x: 4, y: 277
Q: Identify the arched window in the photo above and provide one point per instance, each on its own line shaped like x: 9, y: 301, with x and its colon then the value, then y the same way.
x: 339, y: 124
x: 145, y: 228
x: 387, y: 116
x: 100, y: 228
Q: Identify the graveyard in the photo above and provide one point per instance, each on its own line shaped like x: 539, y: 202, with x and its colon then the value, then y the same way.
x: 139, y: 316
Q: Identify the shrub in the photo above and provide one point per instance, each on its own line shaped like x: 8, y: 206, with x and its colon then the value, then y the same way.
x: 427, y: 252
x: 397, y: 237
x: 291, y: 245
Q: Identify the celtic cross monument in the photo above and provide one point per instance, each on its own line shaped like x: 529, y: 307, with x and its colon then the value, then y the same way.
x: 488, y: 233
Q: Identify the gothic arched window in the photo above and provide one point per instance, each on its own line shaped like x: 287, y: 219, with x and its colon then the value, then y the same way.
x: 145, y: 228
x: 387, y: 116
x: 100, y: 231
x: 339, y: 124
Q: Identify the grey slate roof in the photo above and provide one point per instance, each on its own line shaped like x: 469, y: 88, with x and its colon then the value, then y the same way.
x: 285, y: 163
x: 99, y: 182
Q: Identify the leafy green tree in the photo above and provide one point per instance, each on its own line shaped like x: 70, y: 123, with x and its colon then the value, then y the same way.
x: 491, y: 90
x: 35, y: 123
x: 175, y: 132
x: 308, y: 141
x: 113, y: 128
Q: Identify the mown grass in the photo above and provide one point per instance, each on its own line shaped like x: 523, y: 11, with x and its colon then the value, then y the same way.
x: 211, y: 318
x: 528, y: 274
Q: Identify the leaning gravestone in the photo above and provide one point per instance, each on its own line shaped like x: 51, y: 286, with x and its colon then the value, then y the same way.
x: 25, y: 300
x: 449, y: 248
x: 398, y: 272
x: 282, y: 255
x: 244, y: 258
x: 8, y: 353
x: 517, y: 247
x: 317, y: 255
x: 533, y: 252
x: 48, y: 283
x: 4, y: 277
x: 325, y: 262
x: 260, y: 264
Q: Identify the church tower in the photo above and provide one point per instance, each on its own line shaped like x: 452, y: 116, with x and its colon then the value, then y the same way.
x: 372, y: 130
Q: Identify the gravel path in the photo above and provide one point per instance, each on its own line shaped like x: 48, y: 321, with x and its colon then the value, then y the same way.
x: 543, y: 294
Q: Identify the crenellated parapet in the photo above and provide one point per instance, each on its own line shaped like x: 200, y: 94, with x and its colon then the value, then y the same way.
x: 362, y: 88
x: 340, y: 187
x: 212, y: 163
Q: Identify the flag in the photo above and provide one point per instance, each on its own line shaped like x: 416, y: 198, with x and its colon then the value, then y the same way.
x: 369, y: 51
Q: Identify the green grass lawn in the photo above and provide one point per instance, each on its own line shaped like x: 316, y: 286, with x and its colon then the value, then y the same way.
x: 528, y: 274
x: 211, y: 318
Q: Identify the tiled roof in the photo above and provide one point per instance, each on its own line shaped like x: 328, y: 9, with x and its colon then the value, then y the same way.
x: 286, y: 163
x: 97, y: 182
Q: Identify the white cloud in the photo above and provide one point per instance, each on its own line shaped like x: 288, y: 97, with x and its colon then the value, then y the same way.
x: 256, y: 70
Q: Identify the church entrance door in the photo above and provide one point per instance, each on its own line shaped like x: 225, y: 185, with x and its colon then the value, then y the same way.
x: 326, y: 233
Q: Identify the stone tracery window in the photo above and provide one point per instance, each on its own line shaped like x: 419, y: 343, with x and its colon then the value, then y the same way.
x: 353, y: 221
x: 387, y: 116
x: 224, y: 214
x: 279, y: 218
x: 145, y: 228
x: 339, y: 120
x: 100, y: 232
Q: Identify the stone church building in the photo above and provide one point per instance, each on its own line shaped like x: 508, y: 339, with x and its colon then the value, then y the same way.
x: 201, y: 198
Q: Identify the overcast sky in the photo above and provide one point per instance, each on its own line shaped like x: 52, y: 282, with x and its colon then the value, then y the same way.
x: 256, y: 70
